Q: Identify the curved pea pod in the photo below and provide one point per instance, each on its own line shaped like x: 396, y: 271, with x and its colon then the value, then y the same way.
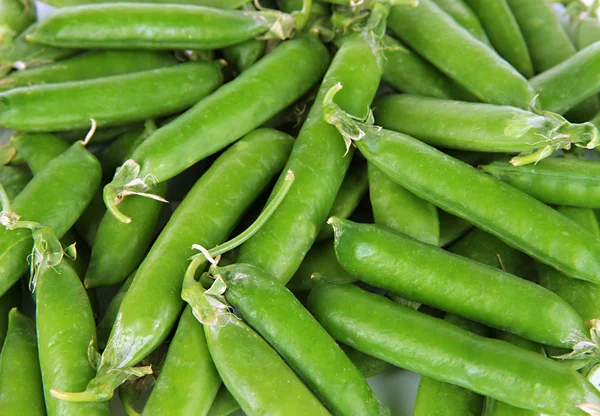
x: 20, y: 381
x: 9, y: 300
x: 232, y: 111
x: 15, y: 17
x: 587, y: 32
x: 188, y: 380
x: 88, y: 66
x: 445, y: 352
x: 578, y: 74
x: 482, y: 127
x: 65, y: 186
x: 451, y: 227
x: 256, y: 376
x: 220, y: 4
x: 427, y: 274
x: 317, y: 158
x: 119, y: 99
x: 464, y: 16
x: 400, y: 210
x: 436, y: 398
x: 504, y: 33
x: 428, y: 29
x: 13, y: 180
x: 158, y: 26
x: 557, y: 181
x: 263, y: 302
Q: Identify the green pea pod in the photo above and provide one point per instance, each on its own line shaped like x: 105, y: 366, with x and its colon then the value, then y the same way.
x: 257, y: 377
x: 119, y: 99
x: 110, y: 315
x: 464, y: 16
x: 158, y: 26
x: 21, y: 390
x: 406, y: 267
x: 13, y: 180
x: 153, y: 302
x: 220, y: 4
x: 113, y: 155
x: 438, y: 398
x: 242, y: 56
x: 482, y: 127
x: 226, y: 115
x: 587, y: 32
x: 262, y: 301
x: 407, y: 72
x: 400, y: 210
x: 15, y: 17
x: 101, y: 135
x: 188, y: 380
x: 367, y: 365
x: 351, y: 192
x: 89, y: 66
x: 557, y: 181
x: 504, y: 33
x: 578, y: 74
x: 224, y: 403
x: 9, y: 300
x: 451, y: 227
x: 428, y: 29
x: 317, y: 159
x: 445, y: 352
x: 65, y: 186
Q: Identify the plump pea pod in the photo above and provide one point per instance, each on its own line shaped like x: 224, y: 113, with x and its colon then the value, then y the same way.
x: 158, y: 26
x: 188, y: 380
x: 15, y: 17
x: 438, y: 398
x: 464, y: 16
x: 482, y: 127
x: 110, y: 315
x: 9, y: 300
x: 317, y: 159
x: 153, y: 303
x: 119, y: 99
x: 256, y: 376
x: 504, y: 33
x: 65, y: 186
x: 429, y: 30
x: 451, y: 227
x: 89, y: 66
x: 234, y: 110
x: 20, y: 380
x: 445, y: 352
x: 400, y: 210
x: 353, y: 189
x: 570, y: 82
x: 220, y: 4
x: 407, y: 72
x: 13, y: 180
x: 276, y: 314
x: 587, y: 32
x: 557, y: 181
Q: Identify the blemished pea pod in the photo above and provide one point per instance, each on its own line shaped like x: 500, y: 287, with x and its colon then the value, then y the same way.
x: 256, y: 376
x: 445, y: 352
x: 407, y: 72
x: 158, y: 26
x: 153, y: 303
x: 451, y: 227
x: 570, y: 82
x: 118, y: 99
x: 88, y: 66
x: 400, y: 210
x: 13, y: 180
x: 482, y: 127
x: 557, y: 181
x: 110, y: 315
x: 9, y: 300
x: 188, y: 380
x: 318, y: 156
x: 428, y: 29
x: 234, y: 110
x: 464, y: 16
x: 220, y: 4
x: 65, y: 186
x: 20, y: 380
x: 426, y: 274
x: 262, y: 302
x: 15, y: 17
x: 438, y: 398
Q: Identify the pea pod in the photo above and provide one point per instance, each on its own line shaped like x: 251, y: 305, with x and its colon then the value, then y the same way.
x: 13, y: 180
x: 275, y: 313
x: 464, y: 16
x: 317, y: 159
x: 557, y: 181
x: 482, y: 127
x: 400, y: 210
x: 504, y: 33
x: 224, y: 403
x: 220, y: 4
x: 20, y: 381
x: 429, y: 30
x: 245, y: 54
x: 43, y: 108
x: 101, y: 135
x: 440, y: 350
x: 88, y: 66
x: 9, y: 300
x: 110, y: 315
x: 15, y: 17
x: 113, y: 155
x: 231, y: 112
x: 451, y: 227
x: 587, y: 32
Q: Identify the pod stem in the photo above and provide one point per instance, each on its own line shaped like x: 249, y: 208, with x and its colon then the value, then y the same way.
x: 586, y: 348
x: 201, y: 300
x: 127, y: 182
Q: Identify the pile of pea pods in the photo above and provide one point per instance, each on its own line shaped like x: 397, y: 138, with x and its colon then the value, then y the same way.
x: 209, y: 205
